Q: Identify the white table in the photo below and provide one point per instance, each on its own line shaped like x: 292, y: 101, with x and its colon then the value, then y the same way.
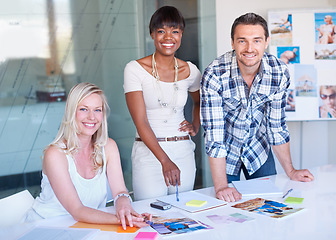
x: 316, y: 221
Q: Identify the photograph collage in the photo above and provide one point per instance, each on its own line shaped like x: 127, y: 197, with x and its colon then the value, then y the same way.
x: 306, y: 41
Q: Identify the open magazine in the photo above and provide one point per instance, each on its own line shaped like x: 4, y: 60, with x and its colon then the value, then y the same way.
x: 267, y: 207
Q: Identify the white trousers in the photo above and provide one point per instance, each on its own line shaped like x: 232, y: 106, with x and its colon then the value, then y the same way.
x: 147, y: 176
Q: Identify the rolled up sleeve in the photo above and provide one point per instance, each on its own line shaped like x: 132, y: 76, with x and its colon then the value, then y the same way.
x: 277, y: 130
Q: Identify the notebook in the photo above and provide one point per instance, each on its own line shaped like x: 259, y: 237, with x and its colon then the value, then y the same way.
x: 199, y: 202
x: 257, y: 188
x: 196, y: 203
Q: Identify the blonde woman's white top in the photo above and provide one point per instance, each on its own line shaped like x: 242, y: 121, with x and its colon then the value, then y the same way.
x: 92, y: 192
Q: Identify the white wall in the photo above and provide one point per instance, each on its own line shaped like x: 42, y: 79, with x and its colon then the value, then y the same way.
x: 312, y: 143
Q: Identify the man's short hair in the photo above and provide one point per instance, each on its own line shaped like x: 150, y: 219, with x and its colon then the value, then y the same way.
x: 250, y: 19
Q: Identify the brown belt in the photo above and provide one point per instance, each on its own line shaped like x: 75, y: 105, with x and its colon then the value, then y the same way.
x: 168, y: 139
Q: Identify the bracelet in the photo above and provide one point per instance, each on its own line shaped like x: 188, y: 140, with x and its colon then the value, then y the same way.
x: 122, y: 195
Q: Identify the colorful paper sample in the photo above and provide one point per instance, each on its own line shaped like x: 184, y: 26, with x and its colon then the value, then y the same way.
x: 106, y: 227
x: 196, y: 203
x: 184, y: 197
x: 294, y: 200
x: 127, y: 230
x: 224, y: 219
x: 147, y: 236
x: 102, y: 227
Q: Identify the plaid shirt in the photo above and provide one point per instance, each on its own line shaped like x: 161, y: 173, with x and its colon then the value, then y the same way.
x: 241, y: 127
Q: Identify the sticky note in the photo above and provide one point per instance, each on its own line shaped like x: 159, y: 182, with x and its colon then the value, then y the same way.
x: 128, y: 229
x: 295, y: 200
x: 196, y: 203
x: 146, y: 236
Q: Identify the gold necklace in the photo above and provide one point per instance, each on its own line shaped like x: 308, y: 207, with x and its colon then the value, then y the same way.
x: 155, y: 74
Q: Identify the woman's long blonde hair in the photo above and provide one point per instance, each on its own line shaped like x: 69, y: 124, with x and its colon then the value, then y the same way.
x: 67, y: 138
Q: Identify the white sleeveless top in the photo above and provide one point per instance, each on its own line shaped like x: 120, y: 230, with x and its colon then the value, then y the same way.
x: 163, y: 120
x: 92, y: 192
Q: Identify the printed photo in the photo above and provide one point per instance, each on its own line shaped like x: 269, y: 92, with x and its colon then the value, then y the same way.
x: 166, y: 225
x: 290, y: 104
x: 325, y: 28
x: 280, y: 26
x: 268, y: 208
x: 305, y: 80
x: 327, y: 108
x: 325, y: 52
x: 289, y: 55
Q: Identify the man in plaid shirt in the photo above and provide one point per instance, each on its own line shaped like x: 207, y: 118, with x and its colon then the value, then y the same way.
x: 243, y: 99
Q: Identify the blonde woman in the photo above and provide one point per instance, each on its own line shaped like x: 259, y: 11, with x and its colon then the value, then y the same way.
x: 78, y: 164
x: 327, y: 31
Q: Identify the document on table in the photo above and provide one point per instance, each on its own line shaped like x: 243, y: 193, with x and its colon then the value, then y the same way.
x: 187, y: 197
x: 257, y: 188
x: 59, y: 234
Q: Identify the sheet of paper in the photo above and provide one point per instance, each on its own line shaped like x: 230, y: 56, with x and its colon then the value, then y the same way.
x: 128, y: 229
x: 257, y: 188
x: 238, y: 215
x: 172, y: 223
x: 103, y: 227
x: 185, y: 197
x: 224, y: 219
x: 146, y: 236
x: 59, y: 233
x: 196, y: 203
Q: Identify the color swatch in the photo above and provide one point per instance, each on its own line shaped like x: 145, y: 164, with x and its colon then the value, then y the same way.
x: 146, y: 236
x: 295, y: 200
x: 196, y: 203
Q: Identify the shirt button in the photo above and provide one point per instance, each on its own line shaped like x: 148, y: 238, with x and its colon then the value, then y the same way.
x: 165, y: 121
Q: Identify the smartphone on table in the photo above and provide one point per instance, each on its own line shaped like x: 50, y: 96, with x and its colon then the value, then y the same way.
x: 160, y: 205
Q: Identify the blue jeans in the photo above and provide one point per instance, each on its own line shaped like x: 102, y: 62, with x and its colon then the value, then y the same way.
x: 265, y: 170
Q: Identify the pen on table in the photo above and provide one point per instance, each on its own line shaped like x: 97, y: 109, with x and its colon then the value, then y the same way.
x: 177, y: 194
x: 287, y: 193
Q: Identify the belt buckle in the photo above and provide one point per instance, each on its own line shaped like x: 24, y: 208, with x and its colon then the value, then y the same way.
x: 166, y: 139
x: 175, y: 138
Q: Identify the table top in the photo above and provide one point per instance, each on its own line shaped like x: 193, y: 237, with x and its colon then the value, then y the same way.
x: 316, y: 221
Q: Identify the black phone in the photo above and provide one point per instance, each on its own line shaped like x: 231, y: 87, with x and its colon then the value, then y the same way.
x: 160, y: 205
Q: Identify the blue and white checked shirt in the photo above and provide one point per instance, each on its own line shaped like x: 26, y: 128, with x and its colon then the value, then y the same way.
x: 241, y: 127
